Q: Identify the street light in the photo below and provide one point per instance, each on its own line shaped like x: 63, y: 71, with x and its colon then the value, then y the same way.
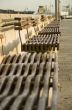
x: 57, y: 9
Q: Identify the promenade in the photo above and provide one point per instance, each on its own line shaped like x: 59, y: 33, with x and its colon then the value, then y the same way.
x: 65, y: 66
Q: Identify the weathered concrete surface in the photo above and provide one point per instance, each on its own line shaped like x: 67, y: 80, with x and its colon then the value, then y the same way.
x: 65, y: 66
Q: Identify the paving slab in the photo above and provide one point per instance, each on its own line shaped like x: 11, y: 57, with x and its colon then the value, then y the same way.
x: 65, y: 66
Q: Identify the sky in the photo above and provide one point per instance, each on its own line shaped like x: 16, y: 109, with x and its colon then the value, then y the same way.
x: 22, y: 5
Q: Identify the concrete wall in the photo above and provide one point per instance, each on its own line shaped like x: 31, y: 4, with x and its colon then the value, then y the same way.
x: 11, y: 42
x: 11, y: 39
x: 12, y: 16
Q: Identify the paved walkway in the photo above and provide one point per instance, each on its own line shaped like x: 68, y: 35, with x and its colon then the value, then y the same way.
x: 65, y: 65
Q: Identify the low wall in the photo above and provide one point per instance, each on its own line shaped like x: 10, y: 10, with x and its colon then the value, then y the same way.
x: 11, y: 42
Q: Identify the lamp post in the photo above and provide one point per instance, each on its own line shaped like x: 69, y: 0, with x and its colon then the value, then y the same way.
x: 57, y: 9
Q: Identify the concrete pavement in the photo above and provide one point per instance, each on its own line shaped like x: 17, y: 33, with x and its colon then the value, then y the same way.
x: 65, y: 66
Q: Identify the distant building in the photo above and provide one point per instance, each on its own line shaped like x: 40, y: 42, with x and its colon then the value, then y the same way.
x: 70, y: 12
x: 42, y: 10
x: 64, y: 13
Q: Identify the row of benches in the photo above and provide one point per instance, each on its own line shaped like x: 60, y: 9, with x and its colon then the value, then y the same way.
x: 28, y: 81
x: 46, y: 40
x: 42, y: 43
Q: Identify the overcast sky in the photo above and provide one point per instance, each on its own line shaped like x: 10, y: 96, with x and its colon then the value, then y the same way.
x: 30, y: 4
